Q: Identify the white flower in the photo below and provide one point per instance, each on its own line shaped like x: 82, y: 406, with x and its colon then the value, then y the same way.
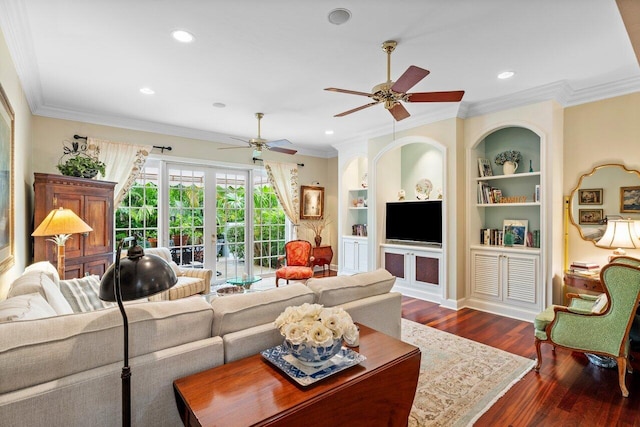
x: 320, y: 335
x: 315, y: 324
x: 295, y: 333
x: 351, y: 334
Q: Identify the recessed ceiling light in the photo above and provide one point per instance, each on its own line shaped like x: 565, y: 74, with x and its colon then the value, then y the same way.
x: 328, y: 132
x: 219, y: 105
x: 182, y: 36
x: 339, y: 16
x: 506, y: 75
x: 147, y: 91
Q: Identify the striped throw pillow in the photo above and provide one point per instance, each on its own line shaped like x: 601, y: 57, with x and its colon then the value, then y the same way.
x: 82, y: 294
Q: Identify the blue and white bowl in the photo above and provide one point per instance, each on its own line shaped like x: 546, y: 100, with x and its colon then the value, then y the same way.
x: 310, y: 355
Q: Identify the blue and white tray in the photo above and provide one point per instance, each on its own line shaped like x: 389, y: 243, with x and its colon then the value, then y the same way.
x: 307, y: 375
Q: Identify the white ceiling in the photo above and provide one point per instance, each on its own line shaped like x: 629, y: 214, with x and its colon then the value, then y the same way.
x: 86, y: 60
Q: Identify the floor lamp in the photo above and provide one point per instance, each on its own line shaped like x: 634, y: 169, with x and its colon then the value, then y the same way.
x: 61, y: 223
x: 129, y: 278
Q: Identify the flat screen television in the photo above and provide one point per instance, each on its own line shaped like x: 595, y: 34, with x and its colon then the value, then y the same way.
x: 419, y: 222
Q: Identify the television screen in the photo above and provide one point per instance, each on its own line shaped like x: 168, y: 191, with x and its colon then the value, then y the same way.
x: 415, y: 221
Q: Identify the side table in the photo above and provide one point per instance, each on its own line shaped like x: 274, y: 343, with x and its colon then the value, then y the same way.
x: 322, y: 255
x: 582, y: 282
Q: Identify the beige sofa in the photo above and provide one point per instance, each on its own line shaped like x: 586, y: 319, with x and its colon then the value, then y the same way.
x: 64, y: 370
x: 191, y: 281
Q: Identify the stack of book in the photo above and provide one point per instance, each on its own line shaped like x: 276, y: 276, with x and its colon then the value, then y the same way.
x: 585, y: 267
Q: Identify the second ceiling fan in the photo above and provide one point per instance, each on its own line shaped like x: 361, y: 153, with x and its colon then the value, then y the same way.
x: 258, y: 144
x: 393, y: 93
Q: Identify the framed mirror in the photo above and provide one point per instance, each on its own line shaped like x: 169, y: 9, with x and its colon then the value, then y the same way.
x: 608, y: 191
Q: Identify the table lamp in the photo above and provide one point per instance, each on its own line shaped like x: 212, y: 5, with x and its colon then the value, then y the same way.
x: 133, y: 277
x: 619, y: 234
x: 61, y: 223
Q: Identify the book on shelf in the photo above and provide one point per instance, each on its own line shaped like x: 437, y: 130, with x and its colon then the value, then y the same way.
x: 585, y: 264
x: 491, y: 237
x: 359, y: 230
x: 488, y: 194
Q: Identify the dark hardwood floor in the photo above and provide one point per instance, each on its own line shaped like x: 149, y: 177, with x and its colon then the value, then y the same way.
x: 568, y: 391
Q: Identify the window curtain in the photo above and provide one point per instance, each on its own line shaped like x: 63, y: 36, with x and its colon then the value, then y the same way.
x: 123, y: 163
x: 283, y: 177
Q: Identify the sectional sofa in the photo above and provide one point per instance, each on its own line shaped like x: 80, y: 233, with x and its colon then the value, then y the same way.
x: 64, y: 369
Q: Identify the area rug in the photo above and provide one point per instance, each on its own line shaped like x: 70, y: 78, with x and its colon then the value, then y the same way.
x: 459, y: 379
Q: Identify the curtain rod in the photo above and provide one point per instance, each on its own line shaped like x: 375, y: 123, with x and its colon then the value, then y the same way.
x: 162, y: 148
x: 257, y: 159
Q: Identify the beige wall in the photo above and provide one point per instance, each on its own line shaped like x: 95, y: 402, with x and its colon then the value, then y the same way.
x: 596, y: 133
x: 22, y: 172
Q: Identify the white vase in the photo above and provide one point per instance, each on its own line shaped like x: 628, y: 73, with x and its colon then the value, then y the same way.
x: 509, y: 168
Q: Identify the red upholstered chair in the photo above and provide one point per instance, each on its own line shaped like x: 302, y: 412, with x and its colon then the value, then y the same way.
x: 298, y: 261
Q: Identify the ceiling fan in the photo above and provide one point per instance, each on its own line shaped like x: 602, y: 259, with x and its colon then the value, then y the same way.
x: 391, y: 93
x: 258, y: 144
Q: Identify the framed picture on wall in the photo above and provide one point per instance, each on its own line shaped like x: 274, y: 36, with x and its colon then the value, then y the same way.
x: 630, y: 199
x: 518, y: 228
x: 7, y: 119
x: 590, y: 196
x: 311, y: 202
x: 590, y: 216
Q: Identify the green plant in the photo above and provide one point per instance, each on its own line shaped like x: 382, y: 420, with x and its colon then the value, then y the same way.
x: 82, y: 166
x: 508, y: 156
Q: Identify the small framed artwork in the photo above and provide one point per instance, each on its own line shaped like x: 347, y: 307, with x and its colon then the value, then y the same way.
x: 518, y: 228
x: 590, y: 196
x: 311, y: 202
x: 7, y: 129
x: 484, y: 166
x: 630, y: 199
x: 590, y: 216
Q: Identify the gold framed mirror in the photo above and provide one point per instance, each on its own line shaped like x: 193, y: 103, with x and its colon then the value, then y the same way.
x: 608, y: 191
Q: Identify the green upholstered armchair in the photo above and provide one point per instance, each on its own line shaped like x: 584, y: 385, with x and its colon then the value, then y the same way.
x: 579, y: 328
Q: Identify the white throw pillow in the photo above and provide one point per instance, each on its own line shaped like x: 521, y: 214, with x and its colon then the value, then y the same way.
x: 600, y: 305
x: 175, y: 268
x: 47, y: 268
x: 83, y: 294
x: 39, y: 281
x: 25, y: 307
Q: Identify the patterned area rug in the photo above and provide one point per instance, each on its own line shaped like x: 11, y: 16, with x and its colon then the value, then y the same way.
x: 459, y: 379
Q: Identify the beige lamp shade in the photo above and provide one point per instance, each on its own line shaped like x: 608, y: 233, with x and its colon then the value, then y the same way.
x: 619, y: 234
x: 61, y: 221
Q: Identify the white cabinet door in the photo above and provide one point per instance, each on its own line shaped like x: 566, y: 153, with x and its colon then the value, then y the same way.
x: 362, y: 256
x: 354, y: 255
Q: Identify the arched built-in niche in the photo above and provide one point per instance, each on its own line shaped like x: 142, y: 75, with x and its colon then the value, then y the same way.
x: 400, y: 165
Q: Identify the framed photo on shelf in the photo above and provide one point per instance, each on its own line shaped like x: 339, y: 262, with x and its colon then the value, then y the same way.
x: 590, y: 216
x: 484, y: 166
x: 517, y: 227
x: 7, y: 129
x: 630, y: 199
x: 590, y: 196
x: 311, y: 202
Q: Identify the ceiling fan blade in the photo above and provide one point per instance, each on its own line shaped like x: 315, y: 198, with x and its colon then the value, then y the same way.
x: 282, y: 150
x: 399, y: 112
x: 279, y: 143
x: 352, y: 92
x: 451, y: 96
x: 409, y: 79
x: 232, y: 148
x: 357, y: 109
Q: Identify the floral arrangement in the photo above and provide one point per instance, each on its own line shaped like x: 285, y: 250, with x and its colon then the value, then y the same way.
x: 508, y: 156
x: 317, y: 225
x: 316, y: 325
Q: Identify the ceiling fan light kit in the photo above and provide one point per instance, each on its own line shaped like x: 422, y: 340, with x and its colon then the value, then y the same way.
x: 391, y: 94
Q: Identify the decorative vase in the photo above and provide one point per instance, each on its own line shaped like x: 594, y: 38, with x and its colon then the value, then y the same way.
x: 318, y: 240
x: 509, y: 168
x: 311, y: 355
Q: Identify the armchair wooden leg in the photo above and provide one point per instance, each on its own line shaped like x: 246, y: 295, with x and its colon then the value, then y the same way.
x: 539, y: 352
x: 622, y: 370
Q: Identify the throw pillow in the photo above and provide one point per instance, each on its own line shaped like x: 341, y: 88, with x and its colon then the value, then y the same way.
x: 600, y: 305
x: 83, y: 294
x: 175, y: 268
x: 47, y: 268
x: 25, y: 307
x: 39, y: 281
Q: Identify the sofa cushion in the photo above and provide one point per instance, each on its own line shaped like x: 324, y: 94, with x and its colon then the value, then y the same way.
x: 44, y: 350
x: 336, y: 290
x: 38, y: 281
x: 25, y: 307
x: 47, y: 268
x: 83, y: 294
x: 232, y: 313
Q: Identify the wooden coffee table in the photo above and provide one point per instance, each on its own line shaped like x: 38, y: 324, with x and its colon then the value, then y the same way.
x: 253, y: 392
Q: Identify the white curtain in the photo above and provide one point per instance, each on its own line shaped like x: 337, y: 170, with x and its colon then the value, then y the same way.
x: 283, y: 177
x: 123, y: 163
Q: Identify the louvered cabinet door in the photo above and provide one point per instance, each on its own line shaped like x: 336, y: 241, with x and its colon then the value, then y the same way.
x: 486, y: 275
x: 520, y: 285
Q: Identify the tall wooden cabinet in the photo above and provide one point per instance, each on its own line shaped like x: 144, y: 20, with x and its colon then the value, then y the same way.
x: 91, y: 200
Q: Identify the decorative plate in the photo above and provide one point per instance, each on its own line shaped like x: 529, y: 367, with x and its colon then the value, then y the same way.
x: 306, y: 375
x: 423, y: 189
